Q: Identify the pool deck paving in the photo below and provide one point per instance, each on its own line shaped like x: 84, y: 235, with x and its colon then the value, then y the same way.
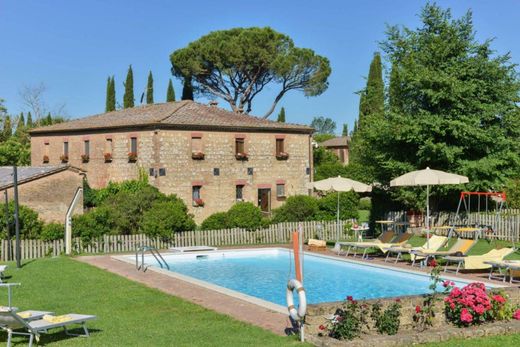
x: 235, y: 307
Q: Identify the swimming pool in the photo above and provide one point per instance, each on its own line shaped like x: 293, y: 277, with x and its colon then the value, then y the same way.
x: 263, y: 274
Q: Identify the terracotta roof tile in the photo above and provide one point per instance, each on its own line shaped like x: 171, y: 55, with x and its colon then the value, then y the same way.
x: 336, y: 142
x: 183, y: 114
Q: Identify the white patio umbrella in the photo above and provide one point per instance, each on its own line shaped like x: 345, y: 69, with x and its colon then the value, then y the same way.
x: 428, y: 177
x: 339, y: 184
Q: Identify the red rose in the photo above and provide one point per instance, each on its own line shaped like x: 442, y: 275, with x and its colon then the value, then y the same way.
x: 417, y: 309
x: 349, y: 298
x: 322, y: 327
x: 397, y: 300
x: 432, y: 263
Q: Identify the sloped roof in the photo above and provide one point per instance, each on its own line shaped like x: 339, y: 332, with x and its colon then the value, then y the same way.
x: 184, y: 114
x: 27, y: 173
x: 336, y: 142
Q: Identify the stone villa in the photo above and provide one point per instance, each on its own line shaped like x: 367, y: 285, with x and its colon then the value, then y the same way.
x: 206, y: 155
x: 340, y: 146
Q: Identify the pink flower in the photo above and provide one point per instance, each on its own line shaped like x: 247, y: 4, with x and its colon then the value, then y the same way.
x: 516, y: 315
x: 349, y: 298
x: 432, y: 263
x: 465, y: 316
x: 417, y: 309
x: 452, y: 306
x: 499, y: 298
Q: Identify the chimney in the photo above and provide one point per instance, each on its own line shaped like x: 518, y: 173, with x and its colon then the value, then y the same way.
x: 213, y: 103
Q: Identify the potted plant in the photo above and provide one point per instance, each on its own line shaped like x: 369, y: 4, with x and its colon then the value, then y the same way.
x: 45, y: 159
x: 85, y: 158
x: 198, y: 202
x: 132, y: 157
x: 282, y: 156
x: 241, y: 156
x: 108, y: 157
x: 64, y: 158
x: 198, y: 155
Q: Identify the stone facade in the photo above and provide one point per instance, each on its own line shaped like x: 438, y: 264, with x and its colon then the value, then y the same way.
x: 166, y: 156
x: 50, y: 195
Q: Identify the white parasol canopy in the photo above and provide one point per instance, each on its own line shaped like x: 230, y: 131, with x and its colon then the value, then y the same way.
x: 339, y: 184
x: 428, y: 177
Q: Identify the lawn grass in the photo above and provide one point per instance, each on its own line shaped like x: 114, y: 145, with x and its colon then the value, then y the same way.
x: 490, y: 341
x: 129, y: 314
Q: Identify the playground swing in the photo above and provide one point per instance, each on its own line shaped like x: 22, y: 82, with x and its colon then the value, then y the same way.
x: 465, y: 200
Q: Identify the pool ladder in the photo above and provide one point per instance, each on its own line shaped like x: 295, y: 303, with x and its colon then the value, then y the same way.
x: 153, y: 251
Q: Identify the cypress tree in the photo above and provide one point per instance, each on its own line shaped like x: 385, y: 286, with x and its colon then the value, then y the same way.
x: 7, y: 131
x: 110, y: 104
x: 20, y: 125
x: 394, y: 89
x: 128, y: 98
x: 187, y: 89
x: 29, y: 123
x: 372, y: 99
x: 281, y: 116
x: 49, y: 119
x: 149, y: 89
x: 345, y: 130
x: 170, y: 92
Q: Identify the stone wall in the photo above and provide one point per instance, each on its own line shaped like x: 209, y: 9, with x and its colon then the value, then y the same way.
x: 171, y: 150
x: 51, y: 195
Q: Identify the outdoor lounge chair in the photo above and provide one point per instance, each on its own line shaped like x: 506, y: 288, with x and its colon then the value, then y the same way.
x: 398, y: 240
x: 317, y: 245
x: 433, y: 244
x: 511, y: 268
x: 13, y: 324
x: 475, y: 262
x: 385, y: 237
x: 460, y: 248
x: 2, y: 269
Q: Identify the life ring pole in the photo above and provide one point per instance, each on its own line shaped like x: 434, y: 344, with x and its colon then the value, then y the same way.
x: 296, y: 250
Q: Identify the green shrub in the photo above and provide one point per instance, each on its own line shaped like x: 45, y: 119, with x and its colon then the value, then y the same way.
x: 348, y: 205
x: 513, y: 193
x: 93, y: 224
x: 30, y: 225
x: 365, y: 203
x: 328, y: 169
x: 245, y: 215
x: 89, y: 195
x: 216, y: 221
x: 166, y: 217
x: 131, y: 186
x: 52, y: 231
x: 297, y: 208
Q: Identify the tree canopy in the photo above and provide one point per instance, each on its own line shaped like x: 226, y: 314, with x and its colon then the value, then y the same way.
x: 281, y: 116
x: 170, y: 92
x: 149, y: 89
x: 323, y: 125
x: 128, y: 97
x: 237, y: 64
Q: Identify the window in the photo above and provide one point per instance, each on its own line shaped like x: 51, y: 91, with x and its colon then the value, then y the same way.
x: 239, y: 146
x: 280, y: 190
x: 86, y: 148
x: 216, y: 171
x: 239, y: 192
x: 162, y: 172
x: 196, y: 148
x: 250, y: 171
x: 279, y: 146
x: 195, y: 192
x: 108, y: 146
x: 133, y: 145
x: 66, y: 148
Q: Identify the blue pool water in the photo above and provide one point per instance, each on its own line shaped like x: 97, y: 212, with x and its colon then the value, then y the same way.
x: 264, y: 274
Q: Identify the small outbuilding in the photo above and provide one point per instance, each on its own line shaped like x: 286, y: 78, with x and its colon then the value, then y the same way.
x: 340, y: 146
x: 48, y: 190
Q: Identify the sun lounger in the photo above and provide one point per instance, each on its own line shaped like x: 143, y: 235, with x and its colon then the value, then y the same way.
x: 399, y: 240
x: 193, y: 249
x: 433, y: 244
x: 13, y: 324
x: 460, y: 248
x: 385, y: 237
x: 317, y: 245
x: 476, y: 262
x: 2, y: 269
x: 511, y: 268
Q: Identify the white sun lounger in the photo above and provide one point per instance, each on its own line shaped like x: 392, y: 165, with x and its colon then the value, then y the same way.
x: 193, y: 249
x: 13, y: 324
x: 2, y: 269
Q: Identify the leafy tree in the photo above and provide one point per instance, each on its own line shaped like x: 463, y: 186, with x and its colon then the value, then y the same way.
x: 216, y: 221
x: 29, y: 120
x: 170, y: 92
x: 322, y: 137
x: 7, y: 129
x: 281, y: 116
x: 513, y: 193
x: 30, y: 225
x: 164, y: 218
x: 245, y: 215
x: 237, y: 64
x: 52, y: 231
x: 187, y: 89
x: 111, y: 95
x: 297, y: 208
x: 323, y: 125
x: 149, y: 89
x: 348, y: 206
x: 345, y: 130
x: 128, y: 97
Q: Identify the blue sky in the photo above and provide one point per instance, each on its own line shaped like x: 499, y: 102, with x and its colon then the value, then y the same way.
x: 72, y: 46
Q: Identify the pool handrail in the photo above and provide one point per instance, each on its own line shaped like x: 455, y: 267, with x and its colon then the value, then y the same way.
x: 153, y: 251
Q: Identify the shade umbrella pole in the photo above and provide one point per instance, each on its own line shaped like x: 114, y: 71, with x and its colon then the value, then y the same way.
x: 428, y: 216
x: 337, y: 220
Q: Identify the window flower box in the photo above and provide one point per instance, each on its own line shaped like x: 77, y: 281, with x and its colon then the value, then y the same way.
x: 282, y: 156
x: 132, y: 157
x: 85, y: 158
x: 198, y: 202
x: 64, y: 158
x: 197, y: 155
x: 108, y: 157
x: 45, y: 159
x: 241, y: 156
